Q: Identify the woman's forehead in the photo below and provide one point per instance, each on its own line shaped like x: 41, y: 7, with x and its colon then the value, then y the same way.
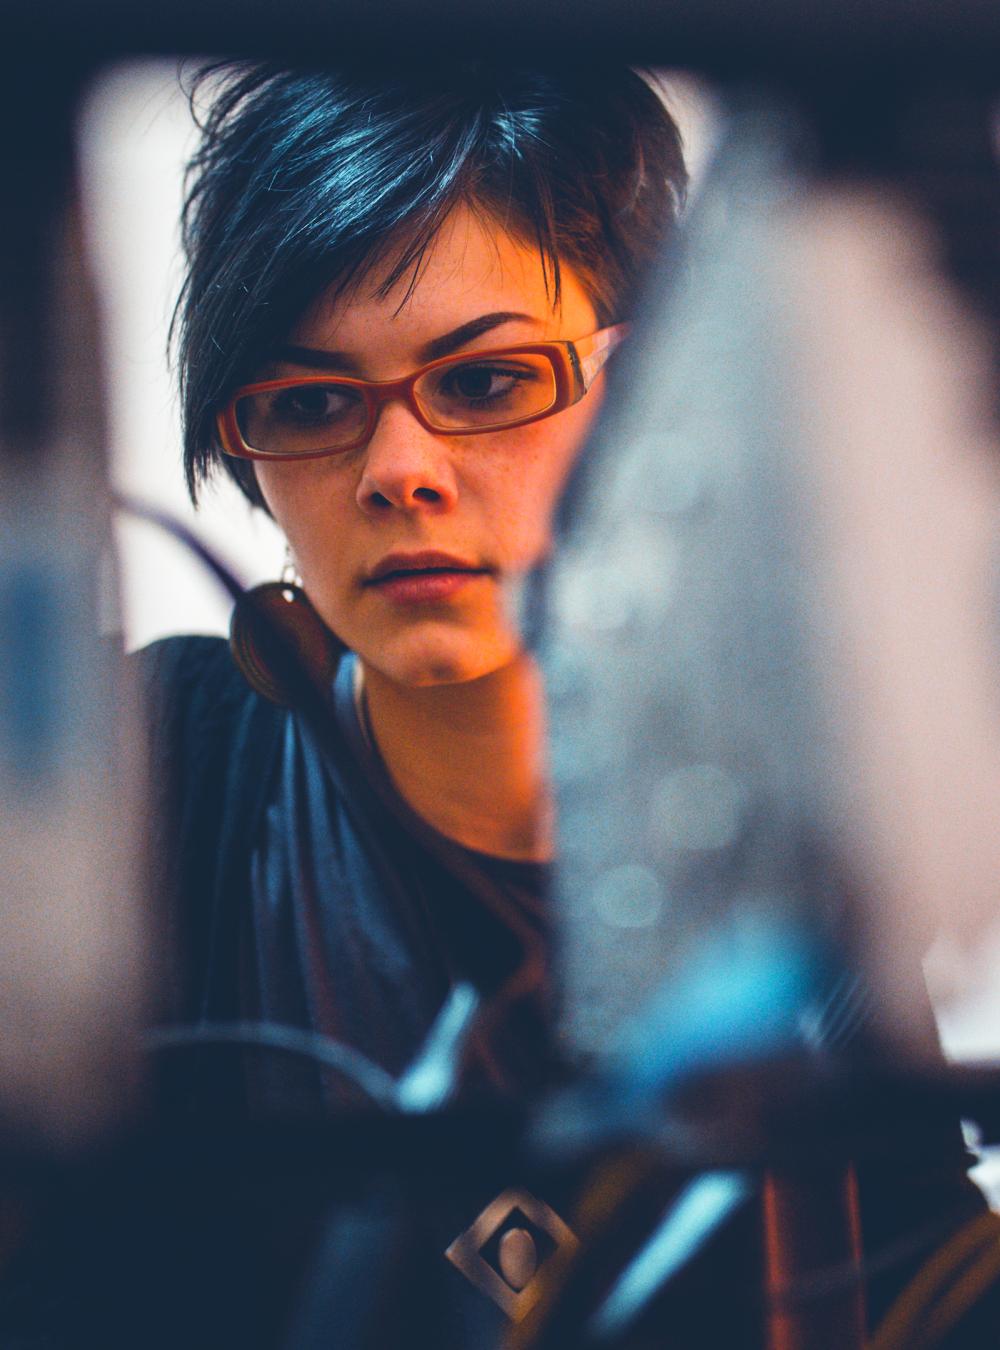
x: 471, y: 266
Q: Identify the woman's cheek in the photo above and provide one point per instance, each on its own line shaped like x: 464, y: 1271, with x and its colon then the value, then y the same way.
x: 541, y: 475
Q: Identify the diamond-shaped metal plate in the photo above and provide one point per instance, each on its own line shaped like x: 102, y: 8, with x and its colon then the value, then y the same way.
x: 505, y: 1251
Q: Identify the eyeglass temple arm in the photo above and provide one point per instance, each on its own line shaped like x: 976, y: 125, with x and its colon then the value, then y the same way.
x: 593, y: 352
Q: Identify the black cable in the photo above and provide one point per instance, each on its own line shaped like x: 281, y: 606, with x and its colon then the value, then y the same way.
x: 143, y: 511
x: 379, y: 1086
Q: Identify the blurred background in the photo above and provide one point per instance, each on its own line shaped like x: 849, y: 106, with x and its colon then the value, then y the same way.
x: 136, y: 132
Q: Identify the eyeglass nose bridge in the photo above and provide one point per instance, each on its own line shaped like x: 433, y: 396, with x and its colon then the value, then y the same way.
x: 377, y: 394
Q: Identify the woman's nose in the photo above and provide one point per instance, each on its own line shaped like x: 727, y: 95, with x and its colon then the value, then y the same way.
x: 406, y: 466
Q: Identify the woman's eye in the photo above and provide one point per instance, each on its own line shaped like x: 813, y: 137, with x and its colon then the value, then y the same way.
x: 470, y: 395
x: 309, y: 404
x: 484, y: 383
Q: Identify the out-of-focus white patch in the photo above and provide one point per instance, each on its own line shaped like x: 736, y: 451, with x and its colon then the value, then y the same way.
x: 695, y: 109
x: 964, y: 985
x: 135, y: 133
x: 986, y: 1173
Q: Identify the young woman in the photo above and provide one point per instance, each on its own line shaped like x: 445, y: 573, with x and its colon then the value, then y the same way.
x: 403, y: 288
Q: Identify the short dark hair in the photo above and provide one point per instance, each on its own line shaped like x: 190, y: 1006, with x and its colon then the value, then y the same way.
x: 304, y: 179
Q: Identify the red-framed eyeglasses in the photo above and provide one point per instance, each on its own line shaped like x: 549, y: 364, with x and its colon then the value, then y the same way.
x: 466, y: 395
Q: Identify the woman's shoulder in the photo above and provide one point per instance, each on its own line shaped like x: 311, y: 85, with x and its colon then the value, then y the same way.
x: 191, y: 675
x: 172, y: 664
x: 197, y: 705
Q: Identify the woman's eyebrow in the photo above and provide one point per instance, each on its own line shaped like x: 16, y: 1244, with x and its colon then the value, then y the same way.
x: 317, y: 358
x: 468, y: 332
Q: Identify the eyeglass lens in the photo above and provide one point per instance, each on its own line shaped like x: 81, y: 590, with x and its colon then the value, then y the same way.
x: 478, y: 395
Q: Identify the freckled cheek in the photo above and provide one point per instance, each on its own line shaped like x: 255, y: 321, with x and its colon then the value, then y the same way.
x: 309, y: 511
x: 533, y: 481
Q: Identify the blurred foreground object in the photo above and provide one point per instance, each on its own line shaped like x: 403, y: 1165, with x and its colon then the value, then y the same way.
x: 772, y: 648
x: 71, y: 968
x: 769, y: 633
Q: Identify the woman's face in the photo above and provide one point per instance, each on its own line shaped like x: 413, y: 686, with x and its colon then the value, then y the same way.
x: 364, y: 525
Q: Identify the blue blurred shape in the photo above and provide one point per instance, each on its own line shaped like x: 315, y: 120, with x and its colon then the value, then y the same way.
x: 30, y: 665
x: 700, y: 1209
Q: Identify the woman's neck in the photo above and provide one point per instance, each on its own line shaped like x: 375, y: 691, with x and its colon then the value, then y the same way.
x: 469, y: 758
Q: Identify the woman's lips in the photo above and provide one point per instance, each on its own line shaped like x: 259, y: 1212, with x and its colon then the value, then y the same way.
x: 425, y: 585
x: 422, y: 578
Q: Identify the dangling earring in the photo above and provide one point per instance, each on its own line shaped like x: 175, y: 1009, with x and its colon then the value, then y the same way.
x: 272, y: 625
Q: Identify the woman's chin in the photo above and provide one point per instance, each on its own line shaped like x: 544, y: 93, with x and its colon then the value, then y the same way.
x: 425, y: 664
